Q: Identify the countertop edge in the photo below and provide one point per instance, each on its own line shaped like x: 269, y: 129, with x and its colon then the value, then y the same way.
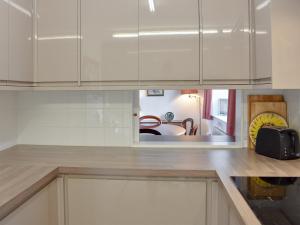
x: 245, y: 212
x: 137, y: 172
x: 27, y: 193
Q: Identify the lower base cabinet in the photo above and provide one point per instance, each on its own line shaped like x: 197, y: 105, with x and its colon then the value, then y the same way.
x: 227, y: 214
x: 135, y: 202
x: 234, y: 218
x: 220, y: 210
x: 80, y: 200
x: 44, y: 208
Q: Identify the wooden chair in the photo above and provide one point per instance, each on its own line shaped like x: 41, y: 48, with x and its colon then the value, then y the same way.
x: 189, y: 129
x: 149, y: 131
x: 156, y: 122
x: 195, y: 129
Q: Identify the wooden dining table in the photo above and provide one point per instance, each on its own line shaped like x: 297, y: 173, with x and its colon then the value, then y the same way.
x: 169, y: 130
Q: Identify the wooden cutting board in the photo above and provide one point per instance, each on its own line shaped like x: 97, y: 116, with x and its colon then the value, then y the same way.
x: 265, y: 98
x: 261, y: 107
x: 262, y: 98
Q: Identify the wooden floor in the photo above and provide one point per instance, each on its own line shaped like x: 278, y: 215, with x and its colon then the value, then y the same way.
x: 163, y: 138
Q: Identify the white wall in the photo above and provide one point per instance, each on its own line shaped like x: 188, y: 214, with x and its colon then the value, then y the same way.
x: 8, y: 119
x: 218, y: 94
x: 173, y: 101
x: 86, y: 118
x: 293, y: 100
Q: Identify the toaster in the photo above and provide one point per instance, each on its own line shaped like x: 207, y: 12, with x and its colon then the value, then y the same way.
x: 278, y: 142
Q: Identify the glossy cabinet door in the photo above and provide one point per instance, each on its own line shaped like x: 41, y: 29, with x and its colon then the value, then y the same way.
x: 226, y: 40
x: 4, y: 40
x: 223, y: 207
x: 109, y: 44
x: 135, y: 202
x: 263, y: 39
x: 212, y: 202
x: 285, y: 20
x: 277, y: 42
x: 21, y: 40
x: 169, y: 40
x: 57, y: 40
x: 225, y: 212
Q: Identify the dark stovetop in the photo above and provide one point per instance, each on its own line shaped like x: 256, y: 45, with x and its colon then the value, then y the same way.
x: 274, y: 200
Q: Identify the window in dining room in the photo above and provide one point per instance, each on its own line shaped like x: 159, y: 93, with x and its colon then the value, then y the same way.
x: 187, y: 116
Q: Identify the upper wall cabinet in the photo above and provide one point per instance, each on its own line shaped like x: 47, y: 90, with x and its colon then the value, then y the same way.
x: 109, y: 40
x: 20, y: 40
x: 263, y: 45
x: 57, y: 40
x: 277, y: 42
x: 4, y: 40
x: 226, y: 41
x: 169, y: 40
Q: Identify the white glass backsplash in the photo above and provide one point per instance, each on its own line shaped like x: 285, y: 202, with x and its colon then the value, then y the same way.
x: 88, y: 118
x: 8, y: 119
x: 293, y: 100
x: 85, y: 118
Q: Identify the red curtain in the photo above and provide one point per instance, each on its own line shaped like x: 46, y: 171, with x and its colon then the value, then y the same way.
x: 207, y: 104
x: 231, y: 112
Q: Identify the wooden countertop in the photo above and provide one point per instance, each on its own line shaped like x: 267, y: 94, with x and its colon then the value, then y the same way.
x: 26, y: 169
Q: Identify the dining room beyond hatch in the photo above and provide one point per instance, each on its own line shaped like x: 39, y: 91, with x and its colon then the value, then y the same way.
x: 189, y: 115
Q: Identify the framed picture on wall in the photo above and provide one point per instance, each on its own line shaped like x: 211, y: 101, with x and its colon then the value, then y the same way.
x: 155, y: 92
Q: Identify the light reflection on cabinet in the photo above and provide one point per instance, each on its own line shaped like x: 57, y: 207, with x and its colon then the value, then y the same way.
x: 263, y: 43
x: 4, y: 40
x: 20, y: 40
x: 109, y: 40
x: 169, y: 40
x: 57, y: 40
x: 226, y: 40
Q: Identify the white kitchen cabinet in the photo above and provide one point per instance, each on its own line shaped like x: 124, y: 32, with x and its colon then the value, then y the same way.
x: 223, y: 207
x: 20, y: 40
x: 41, y: 209
x: 57, y: 41
x: 109, y: 40
x: 277, y: 42
x: 4, y: 40
x: 134, y: 202
x: 212, y: 202
x: 226, y: 40
x: 169, y: 40
x: 263, y: 44
x: 234, y: 218
x: 222, y: 212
